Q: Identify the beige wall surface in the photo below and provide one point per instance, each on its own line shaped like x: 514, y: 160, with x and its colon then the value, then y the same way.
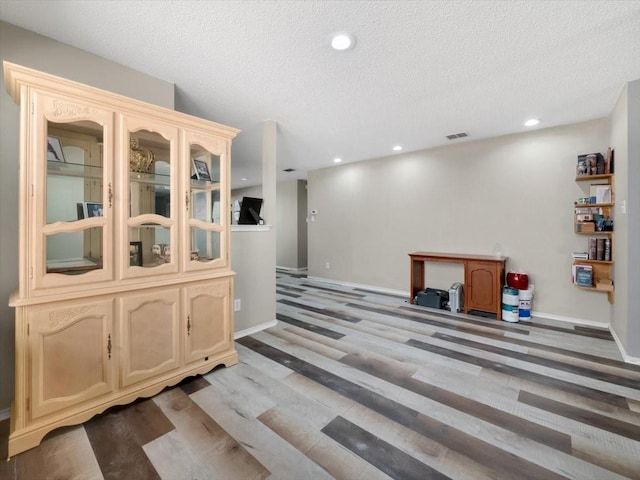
x: 287, y: 225
x: 516, y: 191
x: 255, y: 280
x: 302, y: 224
x: 625, y: 135
x: 619, y: 138
x: 35, y: 51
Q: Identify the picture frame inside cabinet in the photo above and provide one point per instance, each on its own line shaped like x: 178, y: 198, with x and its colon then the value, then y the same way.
x: 54, y: 150
x: 92, y: 209
x: 201, y: 170
x: 135, y: 254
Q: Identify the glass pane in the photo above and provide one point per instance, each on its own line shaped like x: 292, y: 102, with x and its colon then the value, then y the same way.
x: 149, y: 246
x: 74, y: 253
x: 74, y: 169
x: 205, y: 167
x: 205, y: 245
x: 150, y: 175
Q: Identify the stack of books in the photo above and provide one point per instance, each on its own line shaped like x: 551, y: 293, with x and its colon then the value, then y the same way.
x: 598, y: 249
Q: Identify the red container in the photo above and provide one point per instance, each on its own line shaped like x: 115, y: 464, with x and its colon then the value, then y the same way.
x: 519, y: 280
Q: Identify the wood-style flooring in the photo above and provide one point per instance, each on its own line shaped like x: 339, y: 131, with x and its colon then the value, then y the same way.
x: 354, y: 384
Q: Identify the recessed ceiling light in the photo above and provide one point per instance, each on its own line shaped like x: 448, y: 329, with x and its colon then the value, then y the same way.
x: 532, y: 122
x: 397, y: 148
x: 342, y: 41
x: 337, y: 160
x: 244, y: 179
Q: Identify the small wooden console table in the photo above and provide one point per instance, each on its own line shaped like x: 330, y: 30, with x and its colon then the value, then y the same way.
x: 483, y: 278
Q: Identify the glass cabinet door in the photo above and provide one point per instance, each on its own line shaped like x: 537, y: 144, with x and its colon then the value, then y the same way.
x: 75, y: 223
x: 207, y: 203
x: 151, y: 149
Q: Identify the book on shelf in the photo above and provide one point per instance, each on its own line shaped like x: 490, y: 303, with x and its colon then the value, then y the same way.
x: 583, y: 275
x: 593, y: 248
x: 580, y: 255
x: 607, y: 249
x: 603, y: 194
x: 600, y: 249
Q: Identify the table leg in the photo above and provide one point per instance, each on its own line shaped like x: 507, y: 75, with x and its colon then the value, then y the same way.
x: 417, y: 278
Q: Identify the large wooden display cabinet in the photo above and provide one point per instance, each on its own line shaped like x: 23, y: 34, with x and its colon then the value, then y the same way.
x: 125, y: 284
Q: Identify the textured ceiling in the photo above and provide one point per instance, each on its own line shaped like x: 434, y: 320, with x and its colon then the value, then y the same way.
x: 420, y: 70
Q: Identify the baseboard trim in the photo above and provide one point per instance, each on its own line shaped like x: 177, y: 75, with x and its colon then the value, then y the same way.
x: 5, y: 413
x: 256, y: 329
x: 562, y: 318
x: 401, y: 293
x: 627, y: 358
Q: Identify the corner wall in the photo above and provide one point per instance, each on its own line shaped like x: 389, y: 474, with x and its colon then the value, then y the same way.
x: 625, y: 137
x: 35, y: 51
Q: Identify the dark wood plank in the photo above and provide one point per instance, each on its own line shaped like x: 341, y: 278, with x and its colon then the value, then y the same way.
x: 591, y: 393
x: 571, y: 330
x: 322, y: 311
x: 535, y: 359
x: 428, y: 320
x: 309, y: 326
x: 291, y: 288
x: 288, y: 294
x: 146, y: 421
x: 7, y: 469
x: 521, y: 426
x: 562, y: 351
x: 594, y: 332
x: 117, y: 449
x: 581, y: 415
x: 402, y: 298
x: 379, y: 453
x: 194, y: 384
x: 506, y: 464
x: 341, y: 293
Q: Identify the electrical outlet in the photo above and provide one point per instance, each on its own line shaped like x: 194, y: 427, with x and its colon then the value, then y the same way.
x: 327, y: 265
x: 237, y: 305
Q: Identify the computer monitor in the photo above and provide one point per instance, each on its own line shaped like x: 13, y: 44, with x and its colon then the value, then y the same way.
x: 250, y: 211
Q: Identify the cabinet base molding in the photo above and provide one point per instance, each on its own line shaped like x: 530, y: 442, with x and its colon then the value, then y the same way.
x: 22, y: 439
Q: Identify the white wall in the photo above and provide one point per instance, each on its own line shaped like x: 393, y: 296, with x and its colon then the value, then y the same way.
x: 35, y: 51
x: 517, y: 190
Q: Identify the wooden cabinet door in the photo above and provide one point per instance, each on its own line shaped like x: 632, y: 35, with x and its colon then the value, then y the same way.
x: 72, y: 355
x: 149, y: 332
x: 481, y: 286
x: 208, y: 328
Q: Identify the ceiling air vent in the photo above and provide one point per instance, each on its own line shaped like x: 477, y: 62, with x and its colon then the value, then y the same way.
x: 289, y: 170
x: 453, y: 136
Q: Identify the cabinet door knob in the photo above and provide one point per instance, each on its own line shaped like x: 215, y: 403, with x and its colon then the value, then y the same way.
x: 110, y: 195
x: 188, y: 325
x: 186, y: 201
x: 109, y: 345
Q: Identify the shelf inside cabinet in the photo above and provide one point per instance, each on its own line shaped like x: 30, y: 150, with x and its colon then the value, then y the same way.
x: 204, y: 185
x: 150, y: 178
x: 73, y: 170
